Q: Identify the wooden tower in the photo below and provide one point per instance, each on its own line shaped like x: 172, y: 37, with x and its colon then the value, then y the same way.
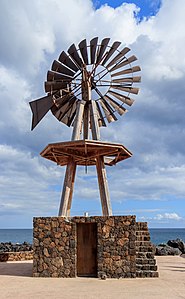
x: 85, y: 87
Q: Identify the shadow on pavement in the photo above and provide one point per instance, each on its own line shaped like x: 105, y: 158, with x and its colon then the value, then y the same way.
x: 16, y: 269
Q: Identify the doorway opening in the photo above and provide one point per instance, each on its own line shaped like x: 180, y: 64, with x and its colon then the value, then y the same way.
x: 87, y: 249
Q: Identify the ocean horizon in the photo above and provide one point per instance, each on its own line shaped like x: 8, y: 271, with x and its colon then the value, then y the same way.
x: 158, y: 235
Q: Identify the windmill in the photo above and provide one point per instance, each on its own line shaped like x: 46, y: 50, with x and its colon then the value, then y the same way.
x: 86, y: 87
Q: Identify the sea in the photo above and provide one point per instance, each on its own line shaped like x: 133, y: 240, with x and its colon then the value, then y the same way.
x: 158, y: 235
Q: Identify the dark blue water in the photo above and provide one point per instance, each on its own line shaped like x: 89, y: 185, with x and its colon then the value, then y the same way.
x: 158, y: 235
x: 16, y: 235
x: 162, y: 235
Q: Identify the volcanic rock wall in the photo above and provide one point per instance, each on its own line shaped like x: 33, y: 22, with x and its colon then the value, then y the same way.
x: 123, y: 247
x: 55, y: 246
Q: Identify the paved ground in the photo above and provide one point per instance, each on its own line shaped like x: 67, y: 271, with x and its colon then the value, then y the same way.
x: 16, y: 283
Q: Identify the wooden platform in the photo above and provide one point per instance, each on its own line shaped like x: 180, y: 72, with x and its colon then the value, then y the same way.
x: 85, y: 152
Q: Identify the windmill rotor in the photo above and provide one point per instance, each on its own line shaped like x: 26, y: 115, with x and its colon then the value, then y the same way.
x: 106, y: 70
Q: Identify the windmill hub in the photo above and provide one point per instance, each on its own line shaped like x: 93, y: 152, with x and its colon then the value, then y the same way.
x: 86, y: 87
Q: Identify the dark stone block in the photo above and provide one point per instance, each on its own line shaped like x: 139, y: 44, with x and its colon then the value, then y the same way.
x: 178, y: 243
x: 4, y: 257
x: 167, y: 250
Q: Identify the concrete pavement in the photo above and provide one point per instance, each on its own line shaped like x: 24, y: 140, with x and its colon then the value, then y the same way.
x: 16, y: 283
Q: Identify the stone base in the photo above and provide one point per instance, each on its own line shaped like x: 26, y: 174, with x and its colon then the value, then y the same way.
x: 56, y: 254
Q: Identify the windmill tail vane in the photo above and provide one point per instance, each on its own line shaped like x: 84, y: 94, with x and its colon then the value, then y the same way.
x: 86, y: 87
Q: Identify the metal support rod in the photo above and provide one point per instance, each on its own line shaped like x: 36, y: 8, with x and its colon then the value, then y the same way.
x: 103, y: 187
x: 67, y: 193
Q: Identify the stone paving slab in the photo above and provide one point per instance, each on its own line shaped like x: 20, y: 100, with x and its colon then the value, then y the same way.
x: 16, y: 281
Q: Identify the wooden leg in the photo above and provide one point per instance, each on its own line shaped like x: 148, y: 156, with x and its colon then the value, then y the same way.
x: 94, y: 121
x: 103, y: 187
x: 67, y: 193
x: 71, y: 192
x: 78, y: 121
x: 86, y: 122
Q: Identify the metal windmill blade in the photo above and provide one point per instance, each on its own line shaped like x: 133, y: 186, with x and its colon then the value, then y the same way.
x: 127, y: 71
x: 61, y: 68
x: 113, y: 48
x: 98, y: 72
x: 122, y: 98
x: 136, y: 79
x: 65, y: 59
x: 118, y: 107
x: 123, y: 63
x: 102, y: 49
x: 100, y: 116
x: 51, y: 75
x: 83, y: 50
x: 75, y: 56
x: 118, y: 57
x: 109, y: 112
x: 93, y: 47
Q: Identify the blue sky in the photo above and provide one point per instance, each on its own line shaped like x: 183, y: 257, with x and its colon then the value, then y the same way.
x: 147, y: 7
x: 150, y: 185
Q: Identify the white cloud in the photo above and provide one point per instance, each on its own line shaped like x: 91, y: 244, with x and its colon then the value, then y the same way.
x: 158, y: 183
x: 26, y: 184
x: 169, y: 216
x: 15, y: 91
x: 119, y: 23
x: 165, y: 218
